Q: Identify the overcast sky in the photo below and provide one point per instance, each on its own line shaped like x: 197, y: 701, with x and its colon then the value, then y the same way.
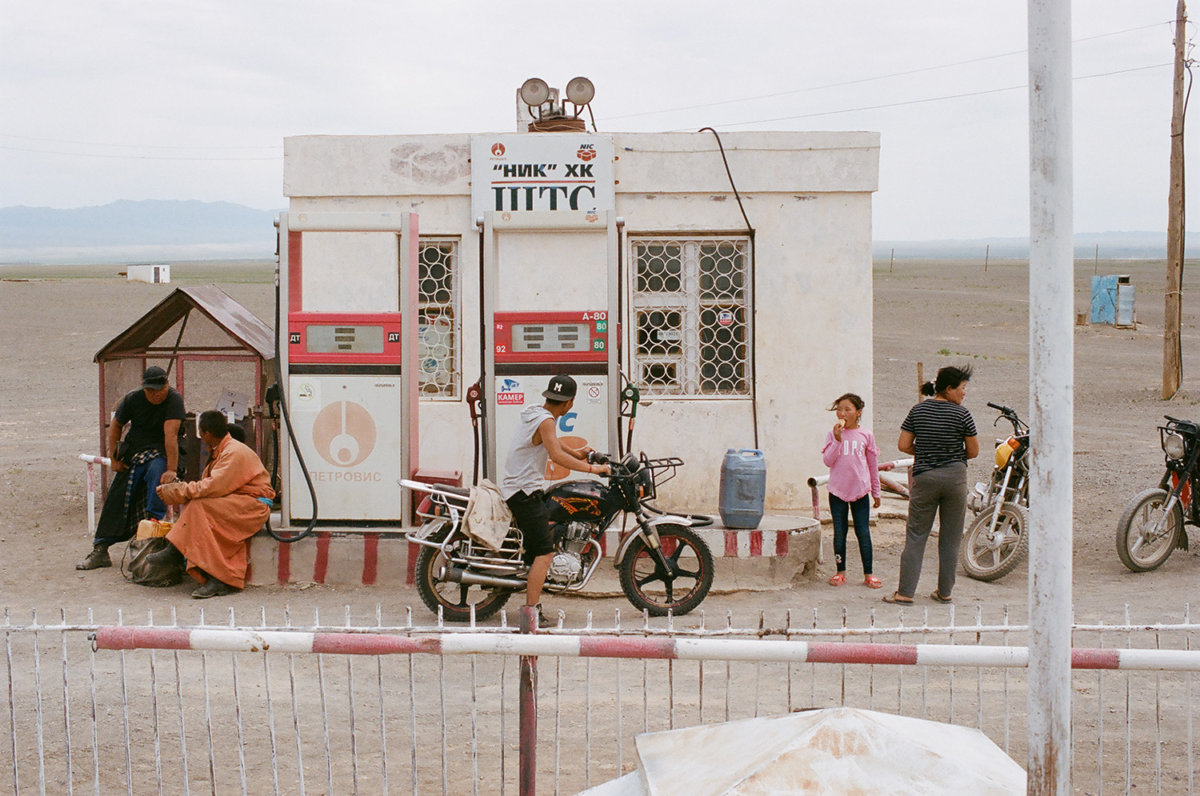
x: 186, y: 99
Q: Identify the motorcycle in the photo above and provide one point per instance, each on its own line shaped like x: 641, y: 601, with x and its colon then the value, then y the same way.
x: 664, y: 565
x: 995, y: 542
x: 1152, y: 525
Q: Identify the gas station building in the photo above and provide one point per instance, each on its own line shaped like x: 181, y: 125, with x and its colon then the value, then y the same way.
x: 739, y: 282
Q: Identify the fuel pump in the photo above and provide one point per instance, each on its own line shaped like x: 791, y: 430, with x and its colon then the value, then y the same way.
x: 557, y: 317
x: 350, y: 283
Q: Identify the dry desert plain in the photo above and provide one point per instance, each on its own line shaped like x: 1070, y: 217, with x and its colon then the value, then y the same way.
x: 54, y: 319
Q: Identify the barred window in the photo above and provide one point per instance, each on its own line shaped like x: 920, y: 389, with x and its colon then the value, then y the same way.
x: 438, y: 318
x: 691, y: 303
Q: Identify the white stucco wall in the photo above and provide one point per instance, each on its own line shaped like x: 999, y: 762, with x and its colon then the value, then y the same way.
x: 808, y: 196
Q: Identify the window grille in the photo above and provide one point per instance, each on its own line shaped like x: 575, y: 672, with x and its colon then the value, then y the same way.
x: 438, y: 318
x: 691, y: 306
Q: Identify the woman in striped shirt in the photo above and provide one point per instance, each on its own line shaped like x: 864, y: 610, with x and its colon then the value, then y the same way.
x: 940, y: 435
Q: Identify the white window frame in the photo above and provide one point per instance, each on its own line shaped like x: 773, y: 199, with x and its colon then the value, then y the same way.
x: 452, y: 391
x: 688, y: 362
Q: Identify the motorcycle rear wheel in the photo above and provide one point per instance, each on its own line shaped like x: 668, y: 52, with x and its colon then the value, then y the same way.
x: 651, y: 588
x: 454, y: 599
x: 1142, y: 549
x: 991, y: 559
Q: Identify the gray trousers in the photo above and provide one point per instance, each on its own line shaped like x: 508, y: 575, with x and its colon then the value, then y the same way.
x: 941, y: 491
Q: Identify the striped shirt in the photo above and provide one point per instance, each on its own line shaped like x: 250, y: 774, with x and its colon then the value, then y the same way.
x: 939, y: 429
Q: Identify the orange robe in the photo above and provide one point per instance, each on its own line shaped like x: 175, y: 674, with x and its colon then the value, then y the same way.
x: 223, y: 511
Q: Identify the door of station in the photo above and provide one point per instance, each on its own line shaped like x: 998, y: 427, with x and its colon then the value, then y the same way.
x: 350, y: 282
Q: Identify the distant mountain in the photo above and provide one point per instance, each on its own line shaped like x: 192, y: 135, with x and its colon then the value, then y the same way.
x: 146, y: 230
x: 1105, y: 245
x: 127, y: 231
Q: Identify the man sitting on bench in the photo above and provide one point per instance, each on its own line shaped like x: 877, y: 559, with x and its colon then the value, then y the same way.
x: 227, y: 506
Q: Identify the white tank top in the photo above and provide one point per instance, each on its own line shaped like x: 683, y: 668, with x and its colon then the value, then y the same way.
x: 525, y: 466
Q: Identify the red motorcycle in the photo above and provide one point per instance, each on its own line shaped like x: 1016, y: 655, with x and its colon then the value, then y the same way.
x: 1152, y: 525
x: 664, y: 566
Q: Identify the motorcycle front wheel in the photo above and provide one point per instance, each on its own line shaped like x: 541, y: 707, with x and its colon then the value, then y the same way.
x: 989, y: 553
x: 679, y: 586
x: 454, y: 599
x: 1145, y: 535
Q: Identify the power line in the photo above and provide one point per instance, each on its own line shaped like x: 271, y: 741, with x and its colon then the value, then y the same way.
x: 888, y: 76
x: 929, y: 99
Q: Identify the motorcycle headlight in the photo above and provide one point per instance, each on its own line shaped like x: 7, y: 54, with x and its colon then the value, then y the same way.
x: 1174, y: 446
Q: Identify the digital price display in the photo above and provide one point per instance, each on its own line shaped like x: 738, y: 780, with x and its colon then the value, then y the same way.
x: 551, y: 337
x: 345, y: 339
x: 328, y: 338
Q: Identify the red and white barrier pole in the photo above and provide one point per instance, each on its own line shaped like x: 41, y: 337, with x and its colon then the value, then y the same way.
x: 695, y: 649
x: 92, y: 461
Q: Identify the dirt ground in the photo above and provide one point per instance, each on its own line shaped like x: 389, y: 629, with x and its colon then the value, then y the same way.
x: 936, y: 313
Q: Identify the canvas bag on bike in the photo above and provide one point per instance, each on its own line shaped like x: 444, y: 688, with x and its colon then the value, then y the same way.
x: 488, y: 516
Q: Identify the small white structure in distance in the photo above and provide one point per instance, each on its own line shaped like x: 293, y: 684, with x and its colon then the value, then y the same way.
x: 828, y: 751
x: 154, y: 274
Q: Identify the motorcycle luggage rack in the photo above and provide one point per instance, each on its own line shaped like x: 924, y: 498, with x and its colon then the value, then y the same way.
x: 661, y: 471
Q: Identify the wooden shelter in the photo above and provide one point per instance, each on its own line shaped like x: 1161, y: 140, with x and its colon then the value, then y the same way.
x: 217, y: 353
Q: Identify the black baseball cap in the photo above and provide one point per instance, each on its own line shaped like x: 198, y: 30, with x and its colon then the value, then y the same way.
x: 562, y: 388
x: 155, y: 378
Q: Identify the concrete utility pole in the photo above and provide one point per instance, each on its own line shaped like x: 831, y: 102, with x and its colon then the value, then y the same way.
x: 1052, y: 374
x: 1173, y: 298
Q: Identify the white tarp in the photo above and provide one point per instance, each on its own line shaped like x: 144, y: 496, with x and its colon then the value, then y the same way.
x: 829, y: 751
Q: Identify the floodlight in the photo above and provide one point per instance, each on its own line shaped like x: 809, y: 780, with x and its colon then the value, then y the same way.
x: 535, y: 91
x: 580, y: 90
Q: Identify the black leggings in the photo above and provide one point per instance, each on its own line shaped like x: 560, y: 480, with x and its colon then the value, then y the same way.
x: 861, y: 509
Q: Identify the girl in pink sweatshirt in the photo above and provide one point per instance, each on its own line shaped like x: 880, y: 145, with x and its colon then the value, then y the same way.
x: 852, y: 457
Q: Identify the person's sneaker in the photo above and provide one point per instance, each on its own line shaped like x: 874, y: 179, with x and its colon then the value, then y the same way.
x: 212, y: 588
x: 96, y: 559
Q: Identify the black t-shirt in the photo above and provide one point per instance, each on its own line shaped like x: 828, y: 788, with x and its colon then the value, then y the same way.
x: 939, y: 430
x: 146, y: 420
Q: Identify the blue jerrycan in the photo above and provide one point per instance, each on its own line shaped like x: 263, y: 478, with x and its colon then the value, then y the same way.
x: 743, y: 488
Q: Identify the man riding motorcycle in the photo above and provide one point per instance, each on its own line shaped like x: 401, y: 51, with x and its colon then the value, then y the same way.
x: 535, y: 442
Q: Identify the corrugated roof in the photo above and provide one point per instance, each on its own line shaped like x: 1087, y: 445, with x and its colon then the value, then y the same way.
x: 241, y: 324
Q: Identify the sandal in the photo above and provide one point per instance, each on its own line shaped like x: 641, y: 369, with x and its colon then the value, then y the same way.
x: 896, y: 598
x: 938, y: 598
x: 838, y: 579
x: 872, y: 582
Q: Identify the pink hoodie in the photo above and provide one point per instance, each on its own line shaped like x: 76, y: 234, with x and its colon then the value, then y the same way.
x: 853, y: 464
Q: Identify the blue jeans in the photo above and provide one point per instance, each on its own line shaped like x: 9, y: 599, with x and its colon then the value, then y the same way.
x: 151, y: 472
x: 861, y: 509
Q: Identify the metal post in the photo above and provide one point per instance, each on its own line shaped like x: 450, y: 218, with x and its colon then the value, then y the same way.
x: 1051, y: 348
x: 527, y: 763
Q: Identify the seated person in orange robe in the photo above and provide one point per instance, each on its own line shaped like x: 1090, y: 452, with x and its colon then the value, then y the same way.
x: 227, y: 506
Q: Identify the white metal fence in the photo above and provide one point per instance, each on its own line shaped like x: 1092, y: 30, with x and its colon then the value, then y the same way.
x: 177, y: 720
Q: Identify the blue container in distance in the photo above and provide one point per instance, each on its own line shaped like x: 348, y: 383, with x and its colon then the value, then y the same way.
x: 743, y: 488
